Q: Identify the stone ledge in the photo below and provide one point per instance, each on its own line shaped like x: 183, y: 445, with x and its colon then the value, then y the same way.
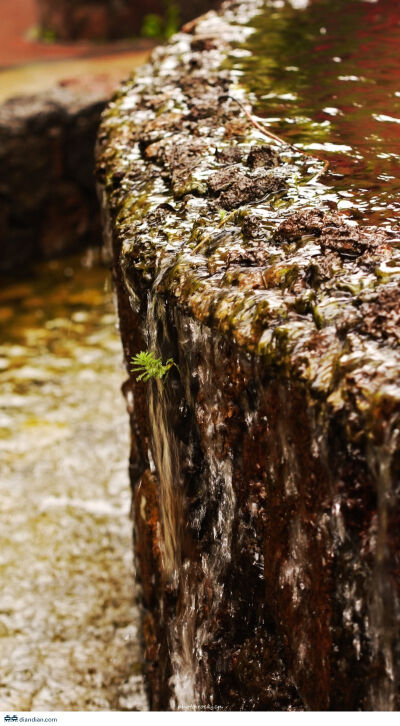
x: 272, y: 461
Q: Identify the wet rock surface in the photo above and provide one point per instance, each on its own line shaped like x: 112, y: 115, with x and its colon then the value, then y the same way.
x: 264, y: 468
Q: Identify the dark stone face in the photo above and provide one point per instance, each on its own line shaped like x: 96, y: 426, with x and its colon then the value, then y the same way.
x: 48, y: 202
x: 265, y: 465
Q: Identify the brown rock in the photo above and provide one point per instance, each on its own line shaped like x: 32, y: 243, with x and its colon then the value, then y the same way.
x: 262, y: 156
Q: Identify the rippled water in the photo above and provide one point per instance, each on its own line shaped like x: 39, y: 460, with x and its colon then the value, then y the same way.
x: 68, y: 622
x: 325, y: 75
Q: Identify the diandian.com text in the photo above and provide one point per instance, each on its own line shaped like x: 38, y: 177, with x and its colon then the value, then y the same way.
x: 30, y: 719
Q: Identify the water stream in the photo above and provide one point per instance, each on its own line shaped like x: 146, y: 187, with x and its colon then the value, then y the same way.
x: 69, y: 627
x: 198, y: 582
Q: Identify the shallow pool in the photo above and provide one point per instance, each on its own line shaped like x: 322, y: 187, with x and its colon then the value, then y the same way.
x: 69, y: 626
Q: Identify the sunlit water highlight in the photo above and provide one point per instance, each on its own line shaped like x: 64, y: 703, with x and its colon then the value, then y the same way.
x: 69, y: 627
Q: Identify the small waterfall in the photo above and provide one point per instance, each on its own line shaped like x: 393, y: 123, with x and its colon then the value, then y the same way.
x: 201, y: 586
x: 165, y: 456
x: 198, y: 580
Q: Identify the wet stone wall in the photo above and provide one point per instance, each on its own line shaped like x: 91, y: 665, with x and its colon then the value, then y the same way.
x: 265, y: 466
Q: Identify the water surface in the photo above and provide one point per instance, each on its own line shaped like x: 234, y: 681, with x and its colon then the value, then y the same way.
x: 325, y: 75
x: 68, y: 623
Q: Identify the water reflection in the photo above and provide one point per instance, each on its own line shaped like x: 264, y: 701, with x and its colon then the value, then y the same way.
x: 68, y: 623
x: 326, y: 77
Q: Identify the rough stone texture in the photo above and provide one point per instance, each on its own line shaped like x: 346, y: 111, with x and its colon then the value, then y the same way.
x: 102, y: 19
x: 48, y: 203
x: 265, y: 468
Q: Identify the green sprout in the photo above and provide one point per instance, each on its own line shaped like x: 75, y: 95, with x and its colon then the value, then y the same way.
x: 149, y: 366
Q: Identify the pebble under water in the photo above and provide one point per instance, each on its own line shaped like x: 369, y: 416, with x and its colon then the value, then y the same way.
x: 69, y: 627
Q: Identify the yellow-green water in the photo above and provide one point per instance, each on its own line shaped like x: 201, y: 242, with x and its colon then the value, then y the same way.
x: 68, y: 622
